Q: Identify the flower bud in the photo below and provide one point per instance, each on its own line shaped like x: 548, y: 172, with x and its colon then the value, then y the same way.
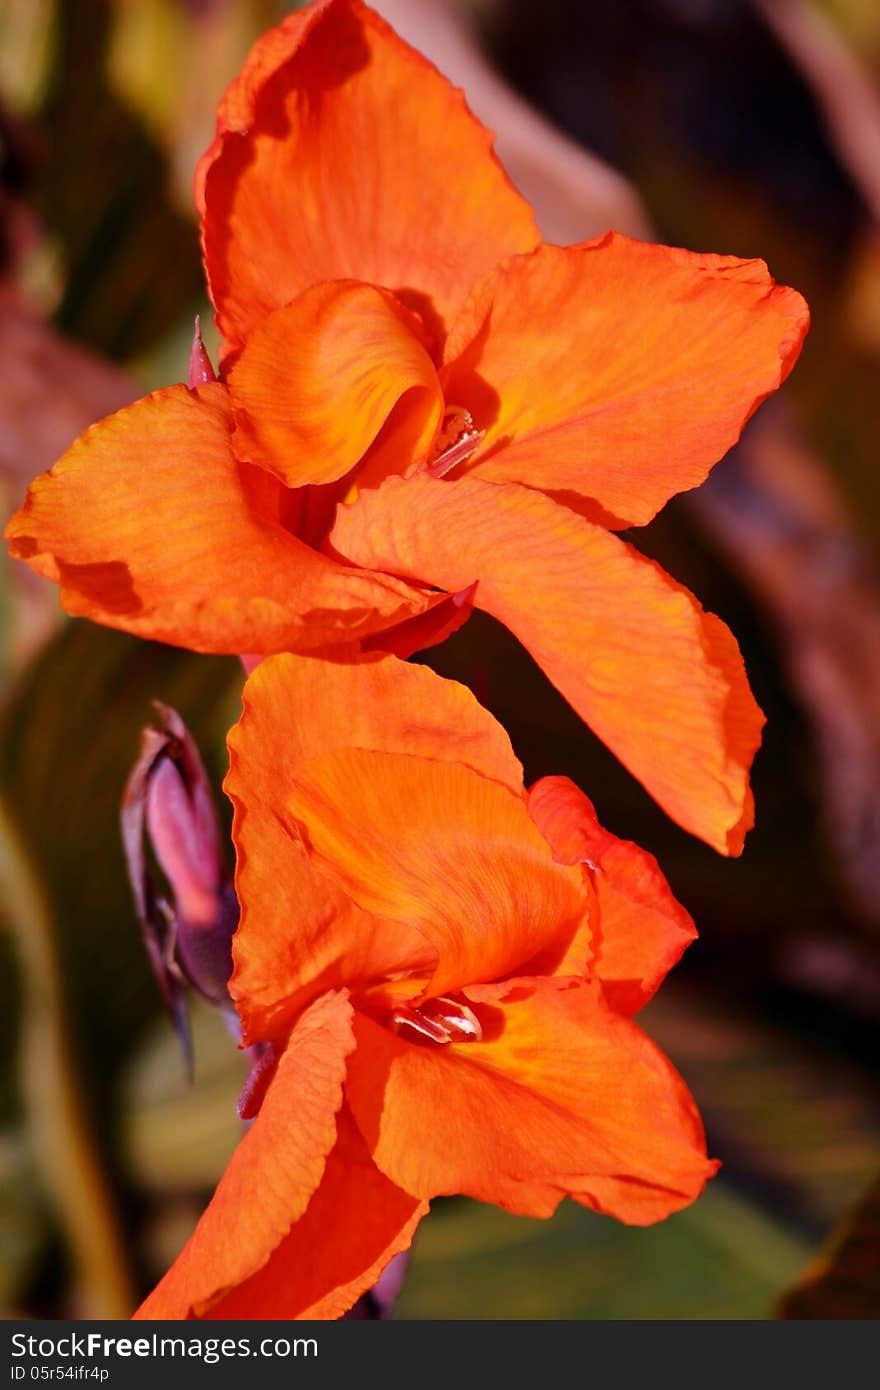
x: 173, y: 847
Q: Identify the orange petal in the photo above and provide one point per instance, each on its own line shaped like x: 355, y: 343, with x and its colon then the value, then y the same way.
x: 354, y: 1225
x: 317, y: 380
x: 438, y: 846
x: 299, y: 932
x: 660, y: 681
x: 619, y: 371
x: 428, y: 629
x: 562, y: 1096
x: 270, y: 1178
x: 372, y: 701
x: 642, y: 929
x: 150, y: 525
x: 341, y: 153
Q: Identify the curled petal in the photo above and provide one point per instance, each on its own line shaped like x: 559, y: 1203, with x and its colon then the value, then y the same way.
x: 641, y: 931
x: 316, y: 382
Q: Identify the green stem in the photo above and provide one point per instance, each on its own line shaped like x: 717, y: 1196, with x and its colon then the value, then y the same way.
x: 56, y: 1114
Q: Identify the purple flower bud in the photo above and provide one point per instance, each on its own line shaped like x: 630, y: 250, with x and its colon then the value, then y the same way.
x: 183, y: 894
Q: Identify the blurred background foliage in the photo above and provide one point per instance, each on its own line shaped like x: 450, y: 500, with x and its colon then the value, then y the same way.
x: 744, y: 126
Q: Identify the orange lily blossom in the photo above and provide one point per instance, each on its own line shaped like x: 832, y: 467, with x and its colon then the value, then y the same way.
x: 442, y: 971
x: 422, y: 408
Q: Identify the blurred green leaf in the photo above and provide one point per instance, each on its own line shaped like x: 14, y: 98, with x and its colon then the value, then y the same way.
x: 25, y: 41
x: 128, y: 108
x: 178, y: 1137
x: 132, y: 259
x: 721, y: 1258
x: 67, y: 1156
x: 69, y: 733
x: 25, y: 1220
x: 795, y: 1120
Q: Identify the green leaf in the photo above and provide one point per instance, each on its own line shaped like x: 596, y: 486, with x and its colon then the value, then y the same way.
x: 69, y: 733
x: 721, y: 1258
x: 25, y: 1221
x: 179, y: 1136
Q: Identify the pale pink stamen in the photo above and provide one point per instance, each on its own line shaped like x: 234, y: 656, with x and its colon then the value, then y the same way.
x: 457, y: 439
x: 201, y: 371
x: 439, y: 1021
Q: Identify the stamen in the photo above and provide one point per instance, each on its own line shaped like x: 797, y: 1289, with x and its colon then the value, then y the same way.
x: 411, y: 1024
x: 456, y: 440
x: 439, y: 1021
x: 201, y: 371
x: 264, y: 1061
x: 454, y: 1016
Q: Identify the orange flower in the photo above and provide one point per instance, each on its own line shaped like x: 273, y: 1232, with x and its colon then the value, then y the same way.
x: 421, y: 408
x: 445, y: 970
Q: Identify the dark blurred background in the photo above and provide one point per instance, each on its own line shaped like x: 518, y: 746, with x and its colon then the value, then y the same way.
x: 749, y: 127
